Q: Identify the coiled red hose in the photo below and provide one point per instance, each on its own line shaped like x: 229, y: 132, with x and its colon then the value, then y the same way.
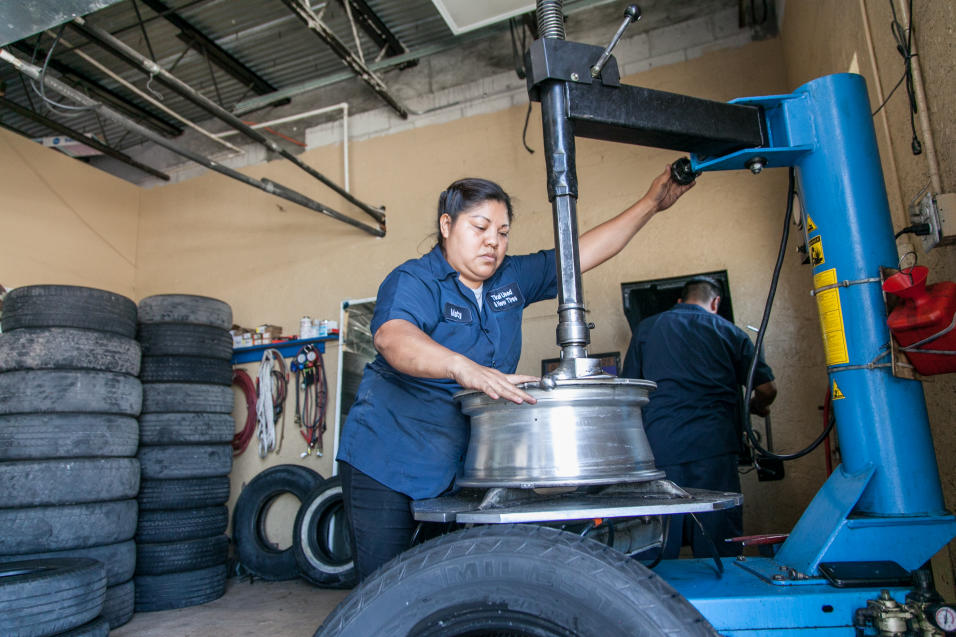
x: 241, y: 440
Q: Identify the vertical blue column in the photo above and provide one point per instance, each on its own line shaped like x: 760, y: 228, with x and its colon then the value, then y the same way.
x: 881, y: 419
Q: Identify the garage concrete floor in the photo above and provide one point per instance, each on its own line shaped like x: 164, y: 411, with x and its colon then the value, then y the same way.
x: 276, y: 609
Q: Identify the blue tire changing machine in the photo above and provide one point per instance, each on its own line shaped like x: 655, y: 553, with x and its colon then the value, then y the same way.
x: 884, y: 503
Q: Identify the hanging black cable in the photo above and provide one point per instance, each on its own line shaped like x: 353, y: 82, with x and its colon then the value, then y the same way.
x: 524, y: 133
x: 889, y: 95
x: 791, y: 192
x: 516, y: 55
x: 40, y: 88
x: 518, y: 60
x: 904, y: 45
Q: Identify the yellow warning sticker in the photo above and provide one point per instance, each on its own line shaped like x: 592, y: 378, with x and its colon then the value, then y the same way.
x: 831, y: 318
x: 810, y: 225
x: 837, y: 394
x: 816, y: 251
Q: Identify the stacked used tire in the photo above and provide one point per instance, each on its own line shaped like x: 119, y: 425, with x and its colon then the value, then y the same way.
x: 53, y: 597
x: 69, y: 397
x: 185, y: 454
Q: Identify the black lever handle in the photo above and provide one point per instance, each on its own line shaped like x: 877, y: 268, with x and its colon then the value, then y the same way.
x: 631, y: 14
x: 682, y: 172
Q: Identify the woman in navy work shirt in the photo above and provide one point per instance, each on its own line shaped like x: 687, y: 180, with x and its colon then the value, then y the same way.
x: 447, y: 321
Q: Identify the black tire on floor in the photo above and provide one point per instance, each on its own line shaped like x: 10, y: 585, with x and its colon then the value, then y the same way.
x: 186, y: 369
x: 185, y: 308
x: 320, y: 540
x: 68, y: 306
x: 59, y: 528
x: 517, y: 579
x: 186, y: 397
x: 188, y: 555
x: 118, y: 607
x: 179, y: 590
x: 184, y: 524
x: 186, y: 493
x: 176, y: 339
x: 186, y: 429
x: 64, y: 391
x: 119, y: 559
x: 28, y: 483
x: 68, y: 348
x: 99, y: 627
x: 44, y: 597
x: 249, y: 517
x: 28, y: 436
x: 185, y: 461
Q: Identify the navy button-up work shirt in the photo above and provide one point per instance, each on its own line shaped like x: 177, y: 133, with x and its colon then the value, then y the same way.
x: 698, y: 361
x: 407, y: 432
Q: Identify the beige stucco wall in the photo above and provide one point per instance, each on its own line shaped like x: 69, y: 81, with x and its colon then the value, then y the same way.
x: 62, y: 221
x: 274, y: 262
x: 830, y: 36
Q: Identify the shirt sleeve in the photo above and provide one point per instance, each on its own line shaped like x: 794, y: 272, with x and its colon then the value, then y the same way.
x: 537, y: 275
x: 632, y: 359
x: 763, y: 373
x: 403, y: 295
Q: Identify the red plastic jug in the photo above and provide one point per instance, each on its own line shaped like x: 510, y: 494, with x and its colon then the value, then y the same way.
x: 925, y: 321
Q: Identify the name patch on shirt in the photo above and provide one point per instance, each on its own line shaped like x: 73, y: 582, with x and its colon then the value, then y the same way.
x: 505, y: 297
x: 457, y: 313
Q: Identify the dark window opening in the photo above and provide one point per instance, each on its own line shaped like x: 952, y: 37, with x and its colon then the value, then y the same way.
x: 647, y: 298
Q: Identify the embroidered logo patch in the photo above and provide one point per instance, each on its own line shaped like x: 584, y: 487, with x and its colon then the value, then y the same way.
x: 505, y: 297
x: 457, y: 313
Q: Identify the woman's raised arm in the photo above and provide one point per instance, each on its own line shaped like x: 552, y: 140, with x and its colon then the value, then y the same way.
x: 602, y: 242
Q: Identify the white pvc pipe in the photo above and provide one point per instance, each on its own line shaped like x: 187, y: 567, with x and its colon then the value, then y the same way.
x: 343, y: 106
x: 345, y: 142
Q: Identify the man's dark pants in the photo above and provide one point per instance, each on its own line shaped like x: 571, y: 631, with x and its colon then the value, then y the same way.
x: 718, y: 473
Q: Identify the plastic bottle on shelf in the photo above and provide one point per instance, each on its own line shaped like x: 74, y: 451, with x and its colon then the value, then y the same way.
x: 306, y: 328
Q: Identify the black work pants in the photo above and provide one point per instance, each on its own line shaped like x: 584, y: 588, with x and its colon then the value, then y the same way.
x: 717, y: 474
x: 380, y: 519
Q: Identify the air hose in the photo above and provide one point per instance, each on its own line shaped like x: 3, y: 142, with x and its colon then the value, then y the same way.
x: 791, y: 192
x: 311, y: 381
x: 271, y: 393
x: 241, y: 440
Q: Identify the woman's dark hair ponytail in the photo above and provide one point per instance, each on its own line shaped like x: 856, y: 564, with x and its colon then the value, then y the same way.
x: 467, y: 193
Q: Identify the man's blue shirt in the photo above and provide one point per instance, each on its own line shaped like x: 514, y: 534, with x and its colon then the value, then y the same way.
x: 407, y: 432
x: 698, y: 361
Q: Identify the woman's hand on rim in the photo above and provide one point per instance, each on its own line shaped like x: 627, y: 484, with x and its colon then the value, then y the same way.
x: 495, y: 384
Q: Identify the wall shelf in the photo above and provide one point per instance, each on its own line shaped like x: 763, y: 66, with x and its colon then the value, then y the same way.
x: 288, y: 349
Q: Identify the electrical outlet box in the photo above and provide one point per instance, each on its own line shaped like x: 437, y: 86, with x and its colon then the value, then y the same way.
x: 939, y: 212
x: 946, y: 209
